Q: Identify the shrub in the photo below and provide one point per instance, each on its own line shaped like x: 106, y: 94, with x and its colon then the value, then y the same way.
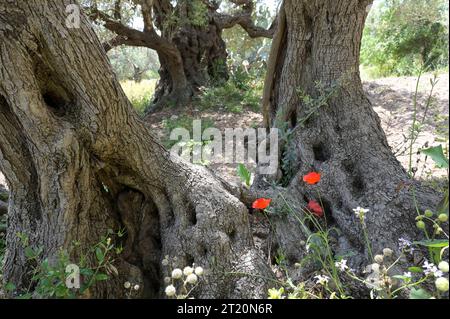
x: 242, y: 90
x: 401, y: 36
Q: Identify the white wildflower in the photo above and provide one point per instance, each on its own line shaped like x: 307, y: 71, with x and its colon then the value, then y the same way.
x: 127, y: 285
x: 198, y: 271
x: 177, y: 273
x: 430, y: 268
x: 443, y: 266
x: 387, y: 252
x: 187, y: 271
x: 321, y: 280
x: 378, y: 259
x: 407, y: 274
x: 375, y: 268
x: 136, y: 287
x: 192, y: 279
x: 442, y: 284
x: 171, y: 291
x: 342, y: 265
x: 405, y: 244
x: 361, y: 213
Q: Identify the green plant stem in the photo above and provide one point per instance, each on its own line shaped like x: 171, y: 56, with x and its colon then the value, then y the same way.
x: 413, y: 125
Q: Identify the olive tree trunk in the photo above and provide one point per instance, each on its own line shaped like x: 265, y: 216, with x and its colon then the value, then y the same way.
x: 79, y: 161
x: 203, y: 52
x: 315, y: 57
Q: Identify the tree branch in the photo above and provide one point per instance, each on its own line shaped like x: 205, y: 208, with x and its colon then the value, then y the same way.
x: 244, y: 19
x: 126, y: 35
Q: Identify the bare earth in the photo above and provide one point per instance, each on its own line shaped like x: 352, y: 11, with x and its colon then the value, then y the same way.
x: 392, y: 99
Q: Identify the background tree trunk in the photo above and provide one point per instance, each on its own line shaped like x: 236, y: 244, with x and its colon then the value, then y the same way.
x: 316, y: 51
x: 200, y: 43
x: 79, y: 161
x: 189, y: 43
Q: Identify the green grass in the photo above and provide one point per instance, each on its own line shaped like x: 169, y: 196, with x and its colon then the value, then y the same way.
x: 232, y: 97
x: 139, y: 94
x: 185, y: 122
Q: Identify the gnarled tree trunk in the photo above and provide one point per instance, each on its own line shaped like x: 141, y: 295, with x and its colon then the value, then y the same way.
x: 316, y: 52
x: 79, y: 161
x: 189, y: 42
x: 200, y: 43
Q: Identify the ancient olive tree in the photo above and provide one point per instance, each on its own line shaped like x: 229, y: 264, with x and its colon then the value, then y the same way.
x: 313, y: 90
x: 79, y: 161
x: 187, y: 35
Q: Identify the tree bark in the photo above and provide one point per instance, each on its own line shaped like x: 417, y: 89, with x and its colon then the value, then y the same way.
x: 319, y: 42
x: 67, y: 132
x: 200, y: 43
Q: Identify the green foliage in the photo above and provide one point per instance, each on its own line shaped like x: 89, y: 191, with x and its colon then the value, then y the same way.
x: 437, y: 155
x: 244, y: 174
x: 134, y: 63
x: 198, y: 13
x: 419, y: 294
x: 48, y: 277
x: 184, y: 121
x: 401, y: 36
x: 424, y: 282
x: 244, y: 48
x: 243, y: 90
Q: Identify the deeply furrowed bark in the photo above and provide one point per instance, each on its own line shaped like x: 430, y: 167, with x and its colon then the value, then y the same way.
x: 79, y: 161
x: 319, y: 41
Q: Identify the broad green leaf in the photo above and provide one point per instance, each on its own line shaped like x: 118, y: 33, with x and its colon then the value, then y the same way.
x: 101, y: 277
x: 99, y: 254
x: 244, y: 174
x: 437, y: 243
x: 415, y: 269
x: 437, y: 155
x: 419, y: 294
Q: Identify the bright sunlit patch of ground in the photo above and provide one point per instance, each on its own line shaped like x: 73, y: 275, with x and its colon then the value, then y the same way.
x: 140, y: 94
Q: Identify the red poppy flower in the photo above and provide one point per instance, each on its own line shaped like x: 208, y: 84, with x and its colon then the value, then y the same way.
x: 315, y: 208
x: 261, y: 203
x: 312, y: 178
